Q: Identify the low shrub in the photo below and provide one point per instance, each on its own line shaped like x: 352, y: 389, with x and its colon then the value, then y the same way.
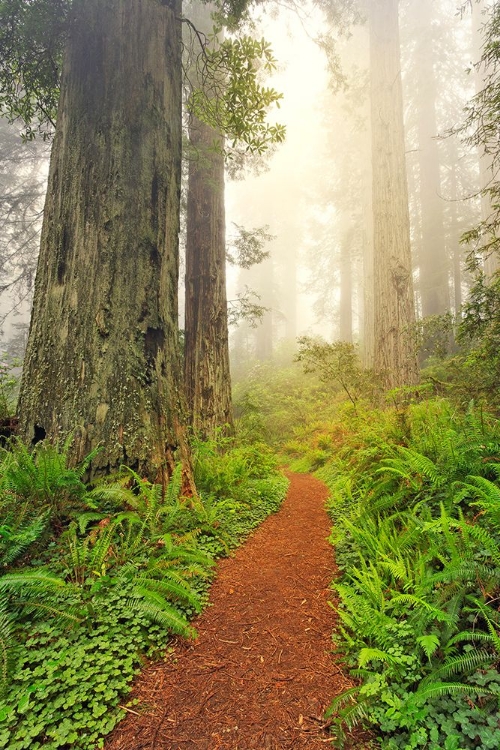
x: 96, y: 580
x: 417, y: 532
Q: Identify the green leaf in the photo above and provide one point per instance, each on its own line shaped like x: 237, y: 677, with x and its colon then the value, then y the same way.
x: 429, y: 644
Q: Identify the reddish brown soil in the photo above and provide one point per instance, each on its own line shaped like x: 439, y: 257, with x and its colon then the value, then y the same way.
x: 261, y: 672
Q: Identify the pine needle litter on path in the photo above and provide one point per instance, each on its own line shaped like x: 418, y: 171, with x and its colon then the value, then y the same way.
x: 261, y: 672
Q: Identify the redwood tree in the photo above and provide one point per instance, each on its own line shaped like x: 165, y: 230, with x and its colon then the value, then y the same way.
x: 481, y: 14
x: 103, y: 354
x: 433, y: 260
x: 393, y: 287
x: 206, y: 360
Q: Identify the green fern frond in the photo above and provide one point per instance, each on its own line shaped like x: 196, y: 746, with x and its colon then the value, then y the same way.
x: 438, y: 689
x: 20, y: 530
x: 367, y: 655
x: 69, y: 614
x: 469, y: 636
x: 170, y: 588
x: 32, y: 580
x: 43, y: 477
x: 130, y: 516
x: 6, y: 646
x: 420, y: 604
x: 429, y: 644
x: 422, y: 465
x: 186, y: 554
x: 154, y: 606
x: 84, y: 519
x: 82, y: 468
x: 189, y: 570
x: 488, y: 494
x: 462, y: 664
x: 492, y: 625
x: 397, y: 569
x: 468, y: 571
x: 352, y: 715
x: 174, y: 486
x: 347, y: 697
x: 114, y: 494
x: 482, y: 535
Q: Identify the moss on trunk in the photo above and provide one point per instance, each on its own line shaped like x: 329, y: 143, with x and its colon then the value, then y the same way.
x: 103, y: 353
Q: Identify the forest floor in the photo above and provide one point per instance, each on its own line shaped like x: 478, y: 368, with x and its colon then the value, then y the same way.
x: 261, y: 671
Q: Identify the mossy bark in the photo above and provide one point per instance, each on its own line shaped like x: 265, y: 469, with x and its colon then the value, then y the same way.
x: 207, y: 372
x: 103, y: 354
x: 394, y: 313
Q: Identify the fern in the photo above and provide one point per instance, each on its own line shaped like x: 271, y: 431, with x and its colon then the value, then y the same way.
x: 43, y: 477
x: 21, y: 528
x: 430, y: 611
x: 175, y: 589
x: 482, y: 535
x: 347, y: 697
x: 348, y: 710
x: 492, y: 626
x: 423, y: 465
x: 111, y: 494
x: 469, y: 636
x: 183, y: 553
x: 489, y: 498
x: 367, y: 655
x: 22, y: 595
x: 83, y: 520
x: 89, y: 556
x: 174, y: 487
x: 463, y: 664
x: 157, y: 609
x: 6, y: 645
x: 38, y: 580
x: 429, y: 644
x: 438, y: 689
x: 32, y: 591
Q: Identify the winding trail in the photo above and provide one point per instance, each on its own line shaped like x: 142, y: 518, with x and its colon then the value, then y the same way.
x: 261, y: 672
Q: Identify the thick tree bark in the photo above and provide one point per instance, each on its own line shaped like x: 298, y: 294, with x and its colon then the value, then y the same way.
x: 207, y: 373
x: 394, y: 313
x: 433, y: 260
x: 103, y: 354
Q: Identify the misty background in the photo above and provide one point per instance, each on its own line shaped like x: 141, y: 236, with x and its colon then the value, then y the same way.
x: 312, y: 194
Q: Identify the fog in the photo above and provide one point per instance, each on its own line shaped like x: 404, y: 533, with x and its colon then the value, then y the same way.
x: 313, y: 193
x: 279, y: 197
x: 315, y: 196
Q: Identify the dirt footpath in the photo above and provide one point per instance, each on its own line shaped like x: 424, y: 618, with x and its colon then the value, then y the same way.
x: 261, y: 672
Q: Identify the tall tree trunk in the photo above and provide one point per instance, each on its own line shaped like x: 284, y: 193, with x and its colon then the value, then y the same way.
x: 103, y: 354
x: 455, y: 234
x: 367, y: 331
x: 345, y: 328
x: 207, y: 374
x: 433, y: 260
x: 264, y: 286
x: 288, y: 274
x: 479, y: 18
x: 394, y: 312
x: 412, y: 173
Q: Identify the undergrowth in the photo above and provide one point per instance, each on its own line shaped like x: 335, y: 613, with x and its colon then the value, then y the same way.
x: 415, y: 499
x: 95, y: 580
